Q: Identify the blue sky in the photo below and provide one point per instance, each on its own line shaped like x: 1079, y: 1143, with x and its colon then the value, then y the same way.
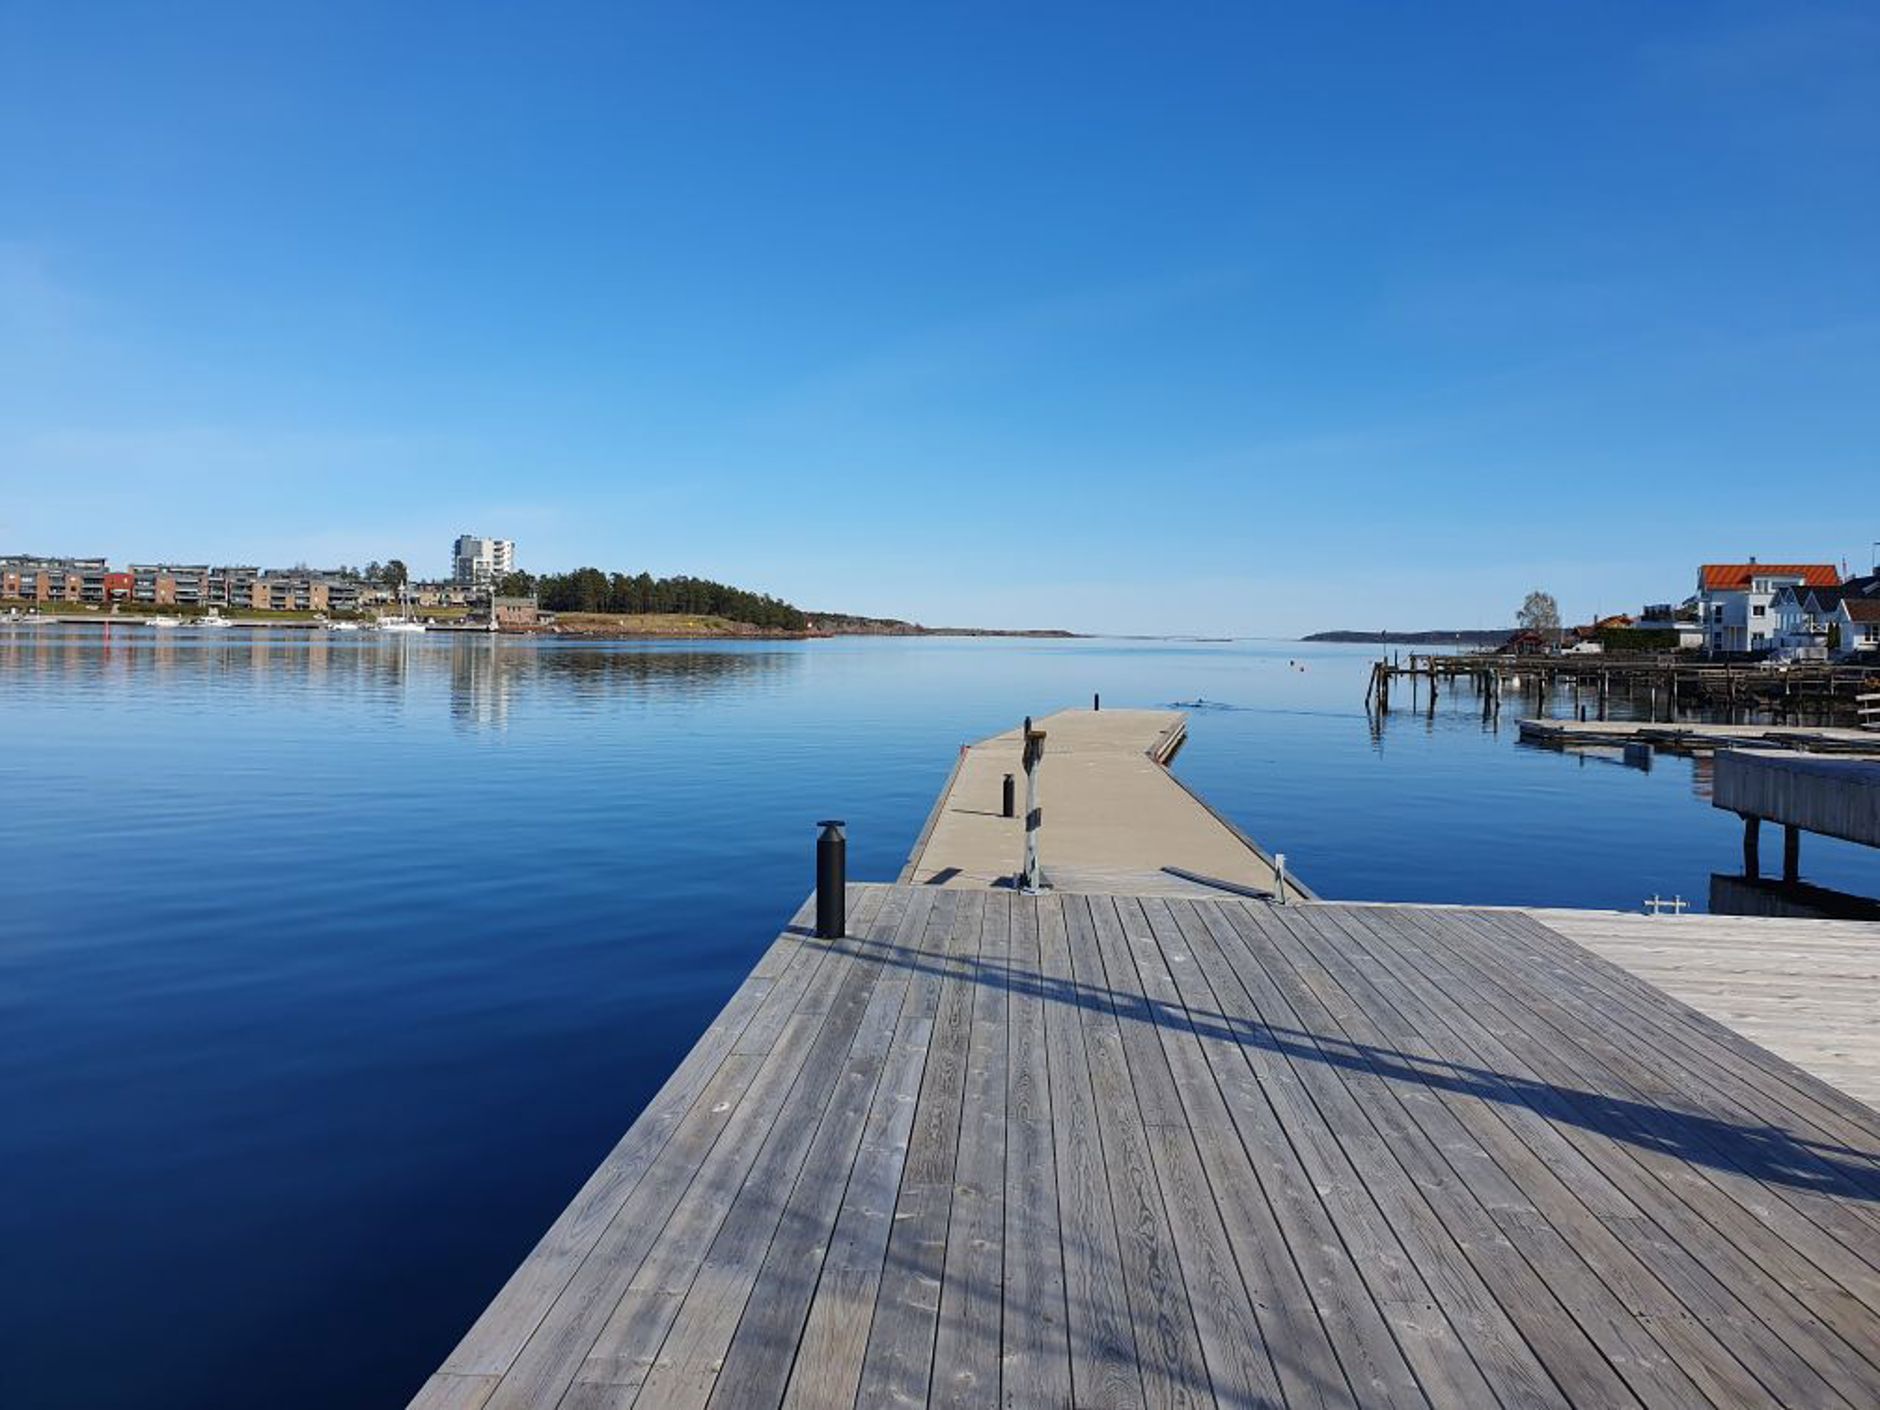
x: 1218, y: 318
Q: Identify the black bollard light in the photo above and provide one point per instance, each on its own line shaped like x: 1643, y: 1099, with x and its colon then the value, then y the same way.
x: 1008, y: 802
x: 832, y: 880
x: 1096, y: 702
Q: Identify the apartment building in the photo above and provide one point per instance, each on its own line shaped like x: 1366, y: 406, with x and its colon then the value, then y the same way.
x: 30, y: 578
x: 478, y: 562
x: 170, y: 584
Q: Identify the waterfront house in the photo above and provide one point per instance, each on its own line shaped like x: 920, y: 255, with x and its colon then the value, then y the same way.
x: 1736, y: 601
x: 1857, y: 618
x: 1806, y: 616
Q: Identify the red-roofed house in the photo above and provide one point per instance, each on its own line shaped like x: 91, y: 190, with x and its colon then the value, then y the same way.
x: 1735, y: 600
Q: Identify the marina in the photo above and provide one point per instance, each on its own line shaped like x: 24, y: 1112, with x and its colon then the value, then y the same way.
x: 976, y: 1144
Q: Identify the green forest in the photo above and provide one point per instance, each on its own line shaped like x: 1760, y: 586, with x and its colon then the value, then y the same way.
x: 591, y: 590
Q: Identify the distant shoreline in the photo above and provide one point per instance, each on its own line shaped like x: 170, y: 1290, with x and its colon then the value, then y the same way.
x: 584, y: 627
x: 1475, y: 636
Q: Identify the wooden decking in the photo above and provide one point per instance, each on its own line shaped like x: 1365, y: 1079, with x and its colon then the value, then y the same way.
x: 1115, y: 818
x: 1808, y: 990
x: 1034, y: 1151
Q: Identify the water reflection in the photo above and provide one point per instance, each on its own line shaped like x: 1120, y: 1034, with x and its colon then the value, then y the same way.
x: 479, y: 678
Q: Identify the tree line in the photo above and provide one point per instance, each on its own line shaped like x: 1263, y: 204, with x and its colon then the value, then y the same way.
x: 591, y: 590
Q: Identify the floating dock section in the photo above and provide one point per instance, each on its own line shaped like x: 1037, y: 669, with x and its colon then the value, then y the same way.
x: 1700, y: 738
x: 1114, y: 817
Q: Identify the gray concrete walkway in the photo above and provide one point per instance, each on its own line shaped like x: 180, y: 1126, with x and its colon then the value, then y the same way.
x: 1115, y: 818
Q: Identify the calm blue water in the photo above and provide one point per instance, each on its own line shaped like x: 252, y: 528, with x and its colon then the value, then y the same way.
x: 330, y: 966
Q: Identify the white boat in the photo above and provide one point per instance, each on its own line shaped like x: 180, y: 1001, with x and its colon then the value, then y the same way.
x: 342, y: 626
x: 400, y: 624
x: 163, y: 621
x: 214, y: 619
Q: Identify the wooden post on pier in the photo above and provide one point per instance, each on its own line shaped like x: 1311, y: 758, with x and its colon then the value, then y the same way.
x: 1752, y: 837
x: 1791, y: 852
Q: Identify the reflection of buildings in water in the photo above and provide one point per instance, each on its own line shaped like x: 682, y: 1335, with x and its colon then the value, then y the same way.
x: 1703, y: 776
x: 489, y: 673
x: 482, y: 682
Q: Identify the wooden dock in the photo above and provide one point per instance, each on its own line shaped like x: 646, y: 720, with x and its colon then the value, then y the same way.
x: 1115, y: 818
x: 1000, y: 1149
x: 1802, y: 693
x: 1807, y: 990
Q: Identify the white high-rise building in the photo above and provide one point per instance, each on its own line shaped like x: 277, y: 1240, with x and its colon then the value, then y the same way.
x: 482, y: 561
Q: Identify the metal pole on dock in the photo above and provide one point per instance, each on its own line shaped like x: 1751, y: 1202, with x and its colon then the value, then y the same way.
x: 1031, y: 877
x: 1008, y: 799
x: 832, y: 884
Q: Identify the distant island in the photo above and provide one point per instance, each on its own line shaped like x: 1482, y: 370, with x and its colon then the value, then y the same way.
x: 1492, y: 636
x: 590, y: 602
x: 848, y: 624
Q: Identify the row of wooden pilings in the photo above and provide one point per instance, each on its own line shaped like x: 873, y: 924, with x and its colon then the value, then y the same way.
x: 1592, y: 690
x: 1655, y: 687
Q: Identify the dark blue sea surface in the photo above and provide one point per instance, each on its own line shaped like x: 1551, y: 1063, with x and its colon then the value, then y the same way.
x: 330, y: 965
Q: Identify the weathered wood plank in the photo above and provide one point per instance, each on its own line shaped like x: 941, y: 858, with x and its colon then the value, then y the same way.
x: 1396, y: 1241
x: 1168, y: 1348
x: 1426, y: 1214
x: 1683, y: 1170
x: 1232, y: 1341
x: 694, y: 1347
x: 1251, y: 1078
x: 1037, y: 1362
x: 1578, y: 1205
x: 445, y: 1391
x: 1654, y: 1018
x: 1282, y: 1304
x: 897, y: 1367
x: 967, y: 1350
x: 1104, y: 1369
x: 756, y: 1366
x: 828, y: 1365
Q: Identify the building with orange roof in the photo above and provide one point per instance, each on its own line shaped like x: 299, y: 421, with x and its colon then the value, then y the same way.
x: 1736, y: 601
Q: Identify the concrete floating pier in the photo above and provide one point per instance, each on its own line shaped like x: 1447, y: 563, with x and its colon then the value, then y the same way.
x: 1114, y: 817
x: 1834, y: 797
x: 1698, y: 738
